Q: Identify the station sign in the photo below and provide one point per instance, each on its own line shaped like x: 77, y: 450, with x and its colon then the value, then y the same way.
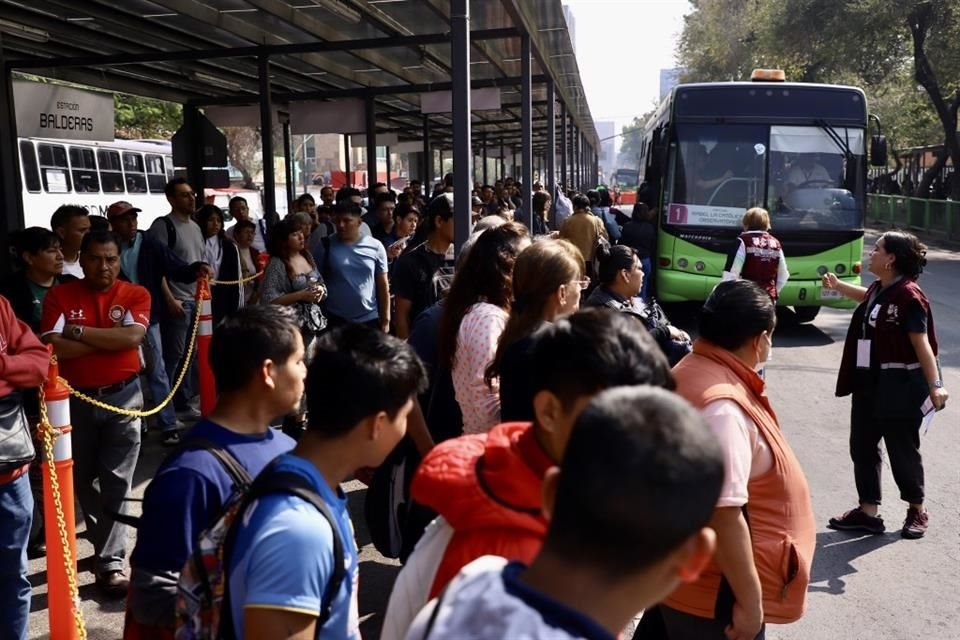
x: 54, y: 111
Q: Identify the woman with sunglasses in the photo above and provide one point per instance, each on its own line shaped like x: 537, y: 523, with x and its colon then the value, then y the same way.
x: 547, y: 282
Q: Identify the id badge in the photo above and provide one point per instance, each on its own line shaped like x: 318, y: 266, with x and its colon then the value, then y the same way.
x: 863, y: 354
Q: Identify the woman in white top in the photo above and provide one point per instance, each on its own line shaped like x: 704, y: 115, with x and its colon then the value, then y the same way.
x: 221, y: 254
x: 475, y: 313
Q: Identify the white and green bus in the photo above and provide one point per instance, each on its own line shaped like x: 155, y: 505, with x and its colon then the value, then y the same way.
x: 713, y: 150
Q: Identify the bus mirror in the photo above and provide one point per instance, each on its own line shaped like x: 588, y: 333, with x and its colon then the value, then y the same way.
x: 878, y: 151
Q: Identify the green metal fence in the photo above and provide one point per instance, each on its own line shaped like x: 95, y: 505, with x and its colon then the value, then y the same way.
x: 941, y: 217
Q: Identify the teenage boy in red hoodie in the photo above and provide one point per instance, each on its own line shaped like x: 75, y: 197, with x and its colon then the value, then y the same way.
x: 487, y: 488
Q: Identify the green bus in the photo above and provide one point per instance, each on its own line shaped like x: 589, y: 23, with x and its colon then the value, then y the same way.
x: 713, y: 150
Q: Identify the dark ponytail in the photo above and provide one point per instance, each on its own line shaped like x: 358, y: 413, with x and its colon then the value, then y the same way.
x: 611, y: 259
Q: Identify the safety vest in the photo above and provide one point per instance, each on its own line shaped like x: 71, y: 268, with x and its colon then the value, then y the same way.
x: 762, y: 260
x: 778, y: 511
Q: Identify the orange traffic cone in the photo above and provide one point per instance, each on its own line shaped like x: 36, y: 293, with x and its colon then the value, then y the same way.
x: 208, y: 386
x: 58, y: 501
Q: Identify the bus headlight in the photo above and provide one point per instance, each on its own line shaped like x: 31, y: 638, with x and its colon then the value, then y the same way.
x: 856, y: 267
x: 682, y: 263
x: 841, y: 269
x: 822, y: 270
x: 699, y: 266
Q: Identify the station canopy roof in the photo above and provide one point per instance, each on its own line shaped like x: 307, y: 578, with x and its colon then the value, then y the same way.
x: 319, y: 49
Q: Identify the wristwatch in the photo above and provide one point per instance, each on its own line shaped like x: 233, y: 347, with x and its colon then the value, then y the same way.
x: 76, y: 331
x: 936, y: 384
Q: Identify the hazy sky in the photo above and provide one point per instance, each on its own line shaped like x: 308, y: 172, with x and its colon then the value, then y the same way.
x: 621, y: 47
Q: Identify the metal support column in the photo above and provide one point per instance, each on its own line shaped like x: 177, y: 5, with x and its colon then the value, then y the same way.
x: 483, y: 155
x: 462, y: 147
x: 266, y: 138
x: 526, y: 131
x: 371, y: 127
x: 503, y: 160
x: 191, y: 125
x: 348, y: 180
x: 288, y: 162
x: 11, y: 193
x: 551, y: 150
x: 427, y: 176
x: 389, y: 181
x: 563, y: 146
x: 575, y: 157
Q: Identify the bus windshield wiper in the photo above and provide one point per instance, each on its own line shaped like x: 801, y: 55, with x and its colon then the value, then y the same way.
x: 835, y: 137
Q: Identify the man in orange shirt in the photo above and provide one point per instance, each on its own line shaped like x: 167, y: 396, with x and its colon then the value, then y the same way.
x: 96, y: 326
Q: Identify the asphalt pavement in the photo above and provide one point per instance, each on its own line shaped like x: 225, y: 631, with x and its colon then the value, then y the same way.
x: 862, y: 587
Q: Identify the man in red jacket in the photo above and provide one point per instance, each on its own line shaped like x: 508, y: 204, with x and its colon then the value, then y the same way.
x: 23, y: 364
x: 487, y: 488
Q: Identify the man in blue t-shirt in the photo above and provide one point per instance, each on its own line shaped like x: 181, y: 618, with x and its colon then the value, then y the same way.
x: 361, y: 387
x: 257, y: 356
x: 354, y: 267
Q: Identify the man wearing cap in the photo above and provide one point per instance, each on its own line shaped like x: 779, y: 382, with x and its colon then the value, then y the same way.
x: 144, y: 261
x: 96, y: 326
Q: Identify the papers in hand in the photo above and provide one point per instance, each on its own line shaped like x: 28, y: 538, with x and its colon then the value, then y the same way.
x: 927, y: 410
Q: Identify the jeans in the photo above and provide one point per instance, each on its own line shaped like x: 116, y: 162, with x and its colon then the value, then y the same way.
x: 157, y: 379
x: 16, y: 514
x: 105, y: 449
x: 175, y: 332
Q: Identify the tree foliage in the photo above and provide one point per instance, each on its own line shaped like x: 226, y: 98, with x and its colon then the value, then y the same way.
x: 905, y: 55
x: 135, y: 117
x: 632, y: 141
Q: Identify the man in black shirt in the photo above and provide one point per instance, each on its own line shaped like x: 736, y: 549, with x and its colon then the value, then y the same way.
x: 421, y: 272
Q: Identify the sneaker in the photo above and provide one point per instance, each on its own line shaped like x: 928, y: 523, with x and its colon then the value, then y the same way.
x: 857, y: 520
x: 188, y: 413
x: 113, y: 584
x: 915, y: 524
x: 171, y: 438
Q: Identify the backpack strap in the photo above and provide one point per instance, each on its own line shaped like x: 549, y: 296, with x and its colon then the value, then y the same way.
x: 238, y: 474
x: 171, y: 232
x: 269, y: 482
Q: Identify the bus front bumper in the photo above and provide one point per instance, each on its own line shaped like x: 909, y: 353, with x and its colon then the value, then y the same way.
x: 682, y: 286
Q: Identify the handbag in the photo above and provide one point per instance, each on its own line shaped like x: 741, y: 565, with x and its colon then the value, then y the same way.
x: 310, y: 317
x: 16, y: 445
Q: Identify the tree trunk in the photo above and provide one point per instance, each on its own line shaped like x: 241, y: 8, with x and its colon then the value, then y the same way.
x: 920, y: 21
x: 923, y: 189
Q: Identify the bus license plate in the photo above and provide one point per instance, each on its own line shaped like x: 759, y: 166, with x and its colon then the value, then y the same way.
x: 830, y: 294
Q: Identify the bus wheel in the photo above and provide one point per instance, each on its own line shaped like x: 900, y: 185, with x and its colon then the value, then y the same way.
x: 805, y: 314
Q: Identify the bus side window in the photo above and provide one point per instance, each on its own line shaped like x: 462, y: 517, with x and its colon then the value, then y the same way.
x: 111, y: 176
x: 54, y: 171
x: 168, y: 165
x: 28, y: 160
x: 134, y: 173
x: 156, y: 176
x: 85, y: 179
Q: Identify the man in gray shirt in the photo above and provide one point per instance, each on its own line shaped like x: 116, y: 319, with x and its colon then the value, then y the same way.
x: 182, y: 236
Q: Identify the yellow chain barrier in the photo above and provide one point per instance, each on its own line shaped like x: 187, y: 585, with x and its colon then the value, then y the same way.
x: 236, y: 282
x: 47, y: 430
x: 145, y: 413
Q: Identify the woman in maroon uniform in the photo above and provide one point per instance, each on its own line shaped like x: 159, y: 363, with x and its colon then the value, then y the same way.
x: 890, y: 368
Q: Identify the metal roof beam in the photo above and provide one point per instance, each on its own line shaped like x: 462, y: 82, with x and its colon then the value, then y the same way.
x: 251, y: 51
x: 361, y: 92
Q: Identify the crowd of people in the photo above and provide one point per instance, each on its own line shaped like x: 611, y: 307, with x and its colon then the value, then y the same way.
x: 504, y: 408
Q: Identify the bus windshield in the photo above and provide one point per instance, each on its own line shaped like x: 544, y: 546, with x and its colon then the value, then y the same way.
x: 808, y: 177
x: 626, y: 178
